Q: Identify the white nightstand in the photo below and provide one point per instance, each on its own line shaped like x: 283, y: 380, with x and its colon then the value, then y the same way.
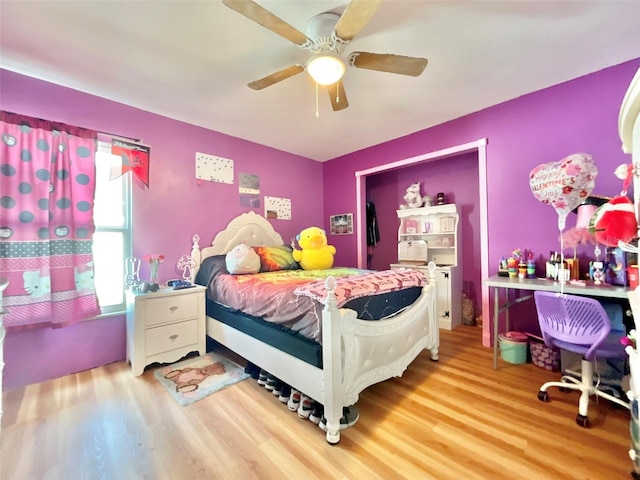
x: 164, y: 326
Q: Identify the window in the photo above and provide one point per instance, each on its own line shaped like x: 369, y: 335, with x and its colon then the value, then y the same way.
x: 112, y: 238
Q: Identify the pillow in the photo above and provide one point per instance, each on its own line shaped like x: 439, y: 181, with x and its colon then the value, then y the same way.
x: 242, y: 259
x: 277, y: 258
x: 210, y: 268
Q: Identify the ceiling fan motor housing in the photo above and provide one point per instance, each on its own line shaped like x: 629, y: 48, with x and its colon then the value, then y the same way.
x: 320, y: 30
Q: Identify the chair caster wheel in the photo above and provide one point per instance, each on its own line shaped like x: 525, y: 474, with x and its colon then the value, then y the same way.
x: 543, y: 396
x: 583, y: 421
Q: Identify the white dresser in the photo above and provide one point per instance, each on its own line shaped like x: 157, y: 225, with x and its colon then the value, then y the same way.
x: 164, y: 326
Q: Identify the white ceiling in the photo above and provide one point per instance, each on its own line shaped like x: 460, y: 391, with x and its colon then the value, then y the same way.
x: 191, y: 61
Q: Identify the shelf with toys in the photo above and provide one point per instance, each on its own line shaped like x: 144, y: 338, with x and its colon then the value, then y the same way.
x: 432, y: 234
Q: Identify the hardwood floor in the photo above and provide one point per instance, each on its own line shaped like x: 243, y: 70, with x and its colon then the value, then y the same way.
x: 456, y: 418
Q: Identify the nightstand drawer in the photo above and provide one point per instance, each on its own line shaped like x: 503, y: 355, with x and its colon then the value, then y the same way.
x: 170, y: 337
x: 170, y: 309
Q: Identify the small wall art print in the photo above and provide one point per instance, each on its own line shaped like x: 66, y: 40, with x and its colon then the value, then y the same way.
x: 277, y: 208
x: 249, y: 189
x: 213, y: 169
x: 341, y: 224
x: 135, y: 158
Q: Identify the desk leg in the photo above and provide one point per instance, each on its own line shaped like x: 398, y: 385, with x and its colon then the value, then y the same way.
x: 496, y: 314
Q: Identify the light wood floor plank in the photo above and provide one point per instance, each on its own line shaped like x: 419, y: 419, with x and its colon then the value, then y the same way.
x: 456, y: 418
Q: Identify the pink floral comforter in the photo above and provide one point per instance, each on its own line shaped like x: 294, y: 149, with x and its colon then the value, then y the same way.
x: 293, y: 298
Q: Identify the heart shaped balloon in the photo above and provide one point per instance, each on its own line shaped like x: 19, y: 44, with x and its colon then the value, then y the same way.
x: 565, y: 184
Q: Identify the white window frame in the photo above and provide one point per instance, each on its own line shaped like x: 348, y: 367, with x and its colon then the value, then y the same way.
x: 125, y: 229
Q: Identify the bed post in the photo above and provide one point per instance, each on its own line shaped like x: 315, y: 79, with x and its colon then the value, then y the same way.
x: 331, y: 363
x: 433, y: 310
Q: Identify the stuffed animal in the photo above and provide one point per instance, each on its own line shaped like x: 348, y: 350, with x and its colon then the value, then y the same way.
x: 315, y: 253
x: 614, y: 221
x: 412, y: 197
x: 242, y: 259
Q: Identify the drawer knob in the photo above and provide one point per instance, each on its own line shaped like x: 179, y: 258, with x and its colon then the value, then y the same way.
x: 173, y: 309
x: 173, y: 337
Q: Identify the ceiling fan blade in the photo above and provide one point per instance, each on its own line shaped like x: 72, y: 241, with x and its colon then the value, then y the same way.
x: 355, y: 17
x: 276, y: 77
x: 338, y: 96
x: 387, y: 62
x: 264, y: 17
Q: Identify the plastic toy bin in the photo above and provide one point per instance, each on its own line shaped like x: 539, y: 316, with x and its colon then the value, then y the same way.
x: 513, y: 347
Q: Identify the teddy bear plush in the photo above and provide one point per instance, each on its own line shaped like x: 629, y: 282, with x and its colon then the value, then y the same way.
x: 315, y: 253
x: 412, y: 196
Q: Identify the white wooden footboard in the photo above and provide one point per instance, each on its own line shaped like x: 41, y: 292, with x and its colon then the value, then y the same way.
x: 376, y: 351
x: 358, y: 353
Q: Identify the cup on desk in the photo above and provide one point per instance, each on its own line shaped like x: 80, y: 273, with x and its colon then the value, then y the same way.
x: 531, y: 269
x: 512, y: 264
x: 522, y: 270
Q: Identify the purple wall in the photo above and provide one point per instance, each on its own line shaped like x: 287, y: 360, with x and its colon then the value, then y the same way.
x: 576, y: 116
x: 165, y: 216
x: 386, y: 190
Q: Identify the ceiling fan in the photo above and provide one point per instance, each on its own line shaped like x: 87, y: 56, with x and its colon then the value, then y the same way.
x: 326, y: 35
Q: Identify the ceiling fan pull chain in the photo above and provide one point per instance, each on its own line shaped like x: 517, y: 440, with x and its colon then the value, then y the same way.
x: 317, y: 113
x: 338, y: 91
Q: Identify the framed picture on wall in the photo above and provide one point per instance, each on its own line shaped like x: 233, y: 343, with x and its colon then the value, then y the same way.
x: 341, y: 224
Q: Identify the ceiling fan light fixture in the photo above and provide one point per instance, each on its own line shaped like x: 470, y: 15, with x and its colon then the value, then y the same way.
x: 326, y: 68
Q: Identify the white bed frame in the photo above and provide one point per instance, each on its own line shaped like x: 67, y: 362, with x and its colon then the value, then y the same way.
x: 355, y: 354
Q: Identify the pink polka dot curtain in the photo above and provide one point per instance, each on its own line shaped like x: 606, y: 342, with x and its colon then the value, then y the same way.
x: 47, y: 186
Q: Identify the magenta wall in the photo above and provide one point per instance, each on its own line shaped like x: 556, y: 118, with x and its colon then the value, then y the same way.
x: 576, y: 116
x: 165, y: 216
x: 386, y: 190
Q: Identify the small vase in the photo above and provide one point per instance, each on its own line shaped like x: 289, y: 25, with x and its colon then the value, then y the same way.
x: 153, y: 278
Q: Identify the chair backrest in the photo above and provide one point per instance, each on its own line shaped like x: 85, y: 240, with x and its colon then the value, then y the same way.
x: 572, y: 319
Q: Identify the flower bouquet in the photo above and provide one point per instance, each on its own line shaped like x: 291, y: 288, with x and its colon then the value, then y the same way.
x: 154, y: 261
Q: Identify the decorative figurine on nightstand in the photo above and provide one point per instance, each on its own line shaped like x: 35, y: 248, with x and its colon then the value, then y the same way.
x: 186, y: 263
x: 132, y: 272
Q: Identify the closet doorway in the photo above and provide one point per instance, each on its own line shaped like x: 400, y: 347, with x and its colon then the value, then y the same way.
x: 476, y: 249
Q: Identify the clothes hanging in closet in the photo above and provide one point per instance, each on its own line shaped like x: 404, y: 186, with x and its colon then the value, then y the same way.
x: 373, y: 234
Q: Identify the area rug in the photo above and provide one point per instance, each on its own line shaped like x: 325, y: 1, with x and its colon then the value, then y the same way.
x: 195, y: 378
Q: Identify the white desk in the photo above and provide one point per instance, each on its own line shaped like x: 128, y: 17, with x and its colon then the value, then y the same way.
x: 532, y: 284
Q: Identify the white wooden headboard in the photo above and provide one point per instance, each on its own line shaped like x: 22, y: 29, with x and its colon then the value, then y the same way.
x: 250, y: 228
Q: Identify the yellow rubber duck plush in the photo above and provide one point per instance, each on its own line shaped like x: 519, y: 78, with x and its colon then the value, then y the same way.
x: 315, y: 253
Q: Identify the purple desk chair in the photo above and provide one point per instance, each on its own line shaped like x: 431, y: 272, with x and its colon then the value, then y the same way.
x: 580, y: 325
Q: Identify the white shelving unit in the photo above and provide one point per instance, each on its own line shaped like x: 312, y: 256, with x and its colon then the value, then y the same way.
x: 433, y: 234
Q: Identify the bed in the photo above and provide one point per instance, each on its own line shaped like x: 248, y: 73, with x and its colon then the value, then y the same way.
x: 351, y: 353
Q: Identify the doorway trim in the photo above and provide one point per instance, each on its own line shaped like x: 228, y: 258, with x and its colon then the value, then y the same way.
x: 479, y: 146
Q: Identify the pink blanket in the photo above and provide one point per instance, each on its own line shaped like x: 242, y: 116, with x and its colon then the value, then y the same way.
x: 365, y: 284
